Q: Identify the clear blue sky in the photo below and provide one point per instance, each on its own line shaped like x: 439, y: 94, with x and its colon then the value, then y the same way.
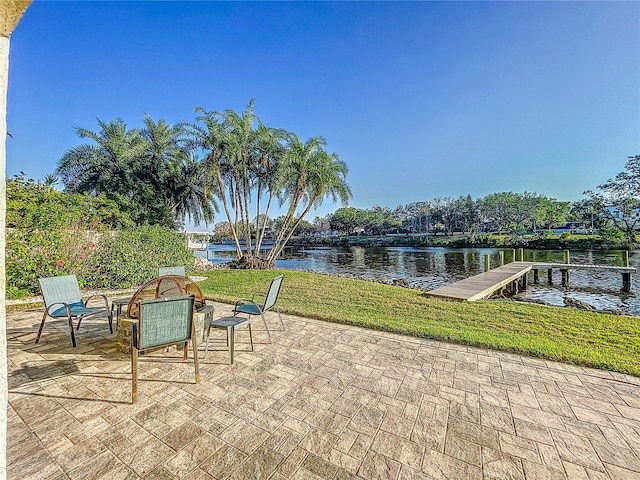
x: 420, y: 99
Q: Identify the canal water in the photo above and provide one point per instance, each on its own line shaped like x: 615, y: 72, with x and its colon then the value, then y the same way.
x: 427, y: 268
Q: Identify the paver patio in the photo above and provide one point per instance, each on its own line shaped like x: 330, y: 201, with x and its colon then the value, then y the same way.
x: 324, y: 401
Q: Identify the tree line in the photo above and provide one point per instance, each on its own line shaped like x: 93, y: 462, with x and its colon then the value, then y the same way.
x: 506, y: 212
x: 613, y: 209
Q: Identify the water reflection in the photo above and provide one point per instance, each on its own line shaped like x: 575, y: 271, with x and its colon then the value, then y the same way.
x: 432, y: 267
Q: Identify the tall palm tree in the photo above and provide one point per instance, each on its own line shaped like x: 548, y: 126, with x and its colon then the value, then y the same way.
x: 269, y: 152
x: 208, y: 137
x: 108, y: 165
x: 147, y: 172
x: 256, y: 164
x: 309, y: 175
x: 238, y: 149
x: 178, y: 177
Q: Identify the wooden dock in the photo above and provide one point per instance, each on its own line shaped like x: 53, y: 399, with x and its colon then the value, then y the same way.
x: 514, y: 274
x: 484, y: 284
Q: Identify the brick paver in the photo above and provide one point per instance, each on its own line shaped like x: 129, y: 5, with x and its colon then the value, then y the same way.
x: 323, y: 401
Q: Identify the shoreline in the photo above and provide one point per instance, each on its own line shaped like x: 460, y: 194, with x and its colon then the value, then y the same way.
x: 574, y: 242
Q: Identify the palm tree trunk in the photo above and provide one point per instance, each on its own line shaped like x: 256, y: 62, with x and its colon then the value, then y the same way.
x: 287, y: 220
x: 264, y: 223
x: 228, y: 214
x: 281, y: 245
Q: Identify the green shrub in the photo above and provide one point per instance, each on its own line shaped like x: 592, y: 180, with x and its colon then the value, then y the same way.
x: 131, y: 257
x: 100, y: 259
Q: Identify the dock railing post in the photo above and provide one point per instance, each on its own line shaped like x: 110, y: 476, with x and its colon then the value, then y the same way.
x: 626, y: 258
x: 513, y: 254
x: 566, y: 257
x: 501, y: 258
x: 521, y: 254
x: 487, y: 262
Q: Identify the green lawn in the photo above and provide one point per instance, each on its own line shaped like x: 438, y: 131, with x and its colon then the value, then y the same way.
x: 599, y: 340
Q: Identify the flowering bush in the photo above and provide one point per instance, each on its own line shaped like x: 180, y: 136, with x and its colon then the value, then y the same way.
x: 100, y: 259
x: 53, y: 233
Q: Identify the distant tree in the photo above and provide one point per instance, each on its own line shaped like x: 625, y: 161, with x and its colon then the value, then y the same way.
x: 620, y: 198
x: 469, y: 212
x: 321, y: 224
x: 345, y: 220
x: 304, y: 228
x: 552, y: 213
x: 589, y: 211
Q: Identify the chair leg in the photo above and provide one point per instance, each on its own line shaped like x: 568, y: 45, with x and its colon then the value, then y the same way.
x: 206, y: 345
x: 134, y: 374
x: 110, y: 318
x: 79, y: 320
x: 73, y: 335
x: 44, y: 316
x: 250, y: 336
x: 194, y: 344
x: 195, y: 359
x: 280, y: 317
x: 265, y: 326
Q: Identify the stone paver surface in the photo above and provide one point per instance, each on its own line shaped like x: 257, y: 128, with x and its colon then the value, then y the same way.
x: 323, y: 401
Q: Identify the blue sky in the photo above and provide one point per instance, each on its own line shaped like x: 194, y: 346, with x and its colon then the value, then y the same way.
x: 420, y: 99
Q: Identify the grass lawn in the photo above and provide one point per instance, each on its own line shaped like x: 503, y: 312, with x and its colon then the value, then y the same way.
x: 591, y: 339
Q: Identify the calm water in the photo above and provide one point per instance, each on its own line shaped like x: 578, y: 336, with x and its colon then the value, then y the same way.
x: 431, y: 267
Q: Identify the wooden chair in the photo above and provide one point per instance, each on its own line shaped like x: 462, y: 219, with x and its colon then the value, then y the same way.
x: 251, y: 307
x: 62, y: 299
x: 162, y: 322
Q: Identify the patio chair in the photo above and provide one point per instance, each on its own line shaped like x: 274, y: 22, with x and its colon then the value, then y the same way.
x: 251, y: 307
x: 162, y: 322
x: 62, y: 299
x: 162, y: 271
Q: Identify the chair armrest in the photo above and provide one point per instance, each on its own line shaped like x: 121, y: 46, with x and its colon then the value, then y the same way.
x: 104, y: 297
x: 246, y: 302
x: 242, y: 301
x: 66, y: 306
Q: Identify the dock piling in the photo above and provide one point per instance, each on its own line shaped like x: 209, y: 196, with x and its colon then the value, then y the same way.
x: 487, y: 262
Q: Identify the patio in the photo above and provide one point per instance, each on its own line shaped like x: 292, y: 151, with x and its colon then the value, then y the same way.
x: 324, y: 401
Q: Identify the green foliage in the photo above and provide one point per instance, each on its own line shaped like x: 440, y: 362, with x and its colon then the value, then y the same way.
x: 131, y: 257
x: 100, y: 258
x: 36, y: 205
x: 147, y: 173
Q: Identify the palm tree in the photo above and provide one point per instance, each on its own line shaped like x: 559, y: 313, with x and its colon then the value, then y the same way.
x: 106, y: 167
x: 176, y: 175
x: 207, y: 136
x: 147, y: 172
x: 309, y: 175
x: 259, y: 164
x: 267, y: 162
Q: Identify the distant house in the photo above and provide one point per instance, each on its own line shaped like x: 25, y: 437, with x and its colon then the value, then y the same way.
x: 569, y: 227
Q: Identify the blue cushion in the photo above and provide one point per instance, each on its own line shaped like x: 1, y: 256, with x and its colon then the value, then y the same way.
x: 248, y: 308
x: 77, y: 309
